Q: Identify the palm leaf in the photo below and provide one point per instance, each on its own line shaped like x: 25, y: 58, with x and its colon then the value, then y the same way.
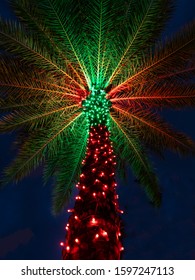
x: 155, y: 132
x: 165, y: 59
x: 138, y: 33
x: 30, y: 15
x: 14, y: 39
x: 67, y: 166
x: 99, y: 38
x: 160, y: 95
x: 33, y: 117
x: 34, y: 150
x: 63, y: 19
x: 25, y: 83
x: 129, y: 149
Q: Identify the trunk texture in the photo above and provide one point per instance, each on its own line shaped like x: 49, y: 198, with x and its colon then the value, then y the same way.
x: 94, y: 226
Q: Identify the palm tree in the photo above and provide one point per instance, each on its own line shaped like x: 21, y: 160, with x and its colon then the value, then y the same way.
x: 82, y: 82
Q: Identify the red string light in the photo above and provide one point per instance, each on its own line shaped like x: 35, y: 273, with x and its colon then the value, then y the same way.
x: 93, y: 221
x: 96, y: 189
x: 104, y: 233
x: 70, y: 210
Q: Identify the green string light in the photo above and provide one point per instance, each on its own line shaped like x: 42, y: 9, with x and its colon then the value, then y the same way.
x: 97, y: 107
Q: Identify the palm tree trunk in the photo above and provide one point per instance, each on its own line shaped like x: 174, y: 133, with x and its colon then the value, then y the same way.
x: 94, y: 226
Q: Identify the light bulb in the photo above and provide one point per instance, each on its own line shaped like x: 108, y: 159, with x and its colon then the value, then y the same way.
x: 93, y: 221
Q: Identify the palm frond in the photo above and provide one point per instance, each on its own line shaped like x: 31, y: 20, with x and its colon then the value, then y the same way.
x: 160, y: 95
x: 14, y: 39
x: 31, y: 17
x: 33, y: 117
x: 166, y: 58
x: 130, y: 150
x: 66, y: 167
x: 138, y: 33
x: 25, y: 83
x: 34, y: 150
x: 155, y: 132
x: 100, y: 36
x: 64, y: 21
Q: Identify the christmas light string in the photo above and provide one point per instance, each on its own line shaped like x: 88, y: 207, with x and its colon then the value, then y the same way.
x: 94, y: 230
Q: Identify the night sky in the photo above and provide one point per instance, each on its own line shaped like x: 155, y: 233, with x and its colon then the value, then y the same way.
x: 29, y: 231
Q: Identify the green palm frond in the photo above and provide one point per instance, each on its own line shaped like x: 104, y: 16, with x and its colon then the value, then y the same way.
x: 138, y: 33
x: 130, y: 150
x: 33, y: 117
x: 38, y: 145
x: 64, y: 20
x: 66, y: 167
x: 99, y: 39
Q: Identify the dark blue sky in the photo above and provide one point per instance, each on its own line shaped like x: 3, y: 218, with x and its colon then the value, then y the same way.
x: 29, y: 231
